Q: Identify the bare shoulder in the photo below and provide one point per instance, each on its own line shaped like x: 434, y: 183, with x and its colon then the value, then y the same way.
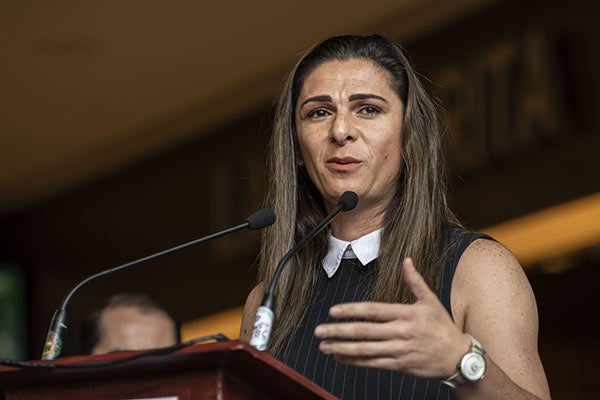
x: 490, y: 281
x: 486, y: 268
x: 252, y: 302
x: 490, y: 253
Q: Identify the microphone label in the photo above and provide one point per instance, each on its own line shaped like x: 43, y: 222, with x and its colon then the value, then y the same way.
x: 262, y: 328
x: 52, y: 347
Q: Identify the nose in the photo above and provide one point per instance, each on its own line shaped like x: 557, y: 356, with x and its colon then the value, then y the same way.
x: 342, y: 129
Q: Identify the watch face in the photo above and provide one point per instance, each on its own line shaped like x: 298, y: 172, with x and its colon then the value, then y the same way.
x: 472, y: 366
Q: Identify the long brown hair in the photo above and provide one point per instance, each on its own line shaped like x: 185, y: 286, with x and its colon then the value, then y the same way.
x: 414, y: 220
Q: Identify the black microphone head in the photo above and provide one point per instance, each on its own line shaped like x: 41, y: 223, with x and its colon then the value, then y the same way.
x: 261, y: 219
x: 348, y: 200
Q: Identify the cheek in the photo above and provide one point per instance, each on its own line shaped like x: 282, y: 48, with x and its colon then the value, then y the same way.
x: 308, y: 150
x: 392, y: 157
x: 303, y: 152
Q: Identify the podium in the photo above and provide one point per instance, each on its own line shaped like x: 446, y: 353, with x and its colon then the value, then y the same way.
x: 225, y: 370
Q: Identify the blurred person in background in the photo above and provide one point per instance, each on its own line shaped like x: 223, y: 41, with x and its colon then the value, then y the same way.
x: 128, y: 321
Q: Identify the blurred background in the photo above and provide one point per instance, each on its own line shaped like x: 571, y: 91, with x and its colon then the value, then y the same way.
x: 130, y: 127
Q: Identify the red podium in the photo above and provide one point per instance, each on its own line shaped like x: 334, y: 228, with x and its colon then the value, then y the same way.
x: 226, y: 370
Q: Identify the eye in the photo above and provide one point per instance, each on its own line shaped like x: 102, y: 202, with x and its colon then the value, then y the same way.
x: 369, y: 110
x: 318, y: 113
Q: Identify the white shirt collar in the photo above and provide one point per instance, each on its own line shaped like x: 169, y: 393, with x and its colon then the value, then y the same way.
x: 365, y: 248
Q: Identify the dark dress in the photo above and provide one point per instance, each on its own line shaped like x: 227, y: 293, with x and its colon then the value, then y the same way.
x: 351, y: 283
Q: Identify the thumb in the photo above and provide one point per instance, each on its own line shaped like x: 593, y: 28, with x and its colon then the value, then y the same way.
x: 415, y: 281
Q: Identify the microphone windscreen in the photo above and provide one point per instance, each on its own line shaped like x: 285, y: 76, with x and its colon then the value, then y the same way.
x: 261, y: 219
x: 348, y: 200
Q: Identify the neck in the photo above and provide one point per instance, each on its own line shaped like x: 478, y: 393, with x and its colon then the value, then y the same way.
x: 353, y: 224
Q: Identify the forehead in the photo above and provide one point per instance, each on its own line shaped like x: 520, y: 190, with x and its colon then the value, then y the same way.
x: 129, y: 328
x: 124, y: 314
x: 355, y: 73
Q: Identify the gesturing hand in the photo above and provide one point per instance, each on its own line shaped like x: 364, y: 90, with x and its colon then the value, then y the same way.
x: 419, y: 339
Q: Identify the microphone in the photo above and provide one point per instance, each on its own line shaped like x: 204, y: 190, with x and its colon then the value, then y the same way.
x: 261, y: 332
x: 258, y: 220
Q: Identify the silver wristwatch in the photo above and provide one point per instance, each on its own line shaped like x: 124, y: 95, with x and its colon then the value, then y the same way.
x: 471, y: 367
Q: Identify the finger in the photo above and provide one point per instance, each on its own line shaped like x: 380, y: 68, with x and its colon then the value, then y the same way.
x: 415, y: 281
x: 388, y: 363
x: 359, y: 331
x: 371, y: 311
x: 363, y: 349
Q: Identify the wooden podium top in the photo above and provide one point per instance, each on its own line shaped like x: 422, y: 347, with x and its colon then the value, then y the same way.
x: 224, y: 370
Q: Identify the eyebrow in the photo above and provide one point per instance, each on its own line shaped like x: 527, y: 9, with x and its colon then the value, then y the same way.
x: 353, y: 97
x: 363, y: 96
x: 323, y: 97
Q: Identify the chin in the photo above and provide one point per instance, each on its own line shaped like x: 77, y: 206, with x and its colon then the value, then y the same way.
x: 334, y: 195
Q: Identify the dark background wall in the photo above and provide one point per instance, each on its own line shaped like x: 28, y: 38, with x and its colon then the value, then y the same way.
x: 216, y: 181
x: 184, y: 194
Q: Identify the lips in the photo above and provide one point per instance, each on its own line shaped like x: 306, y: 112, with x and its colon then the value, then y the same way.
x: 343, y: 164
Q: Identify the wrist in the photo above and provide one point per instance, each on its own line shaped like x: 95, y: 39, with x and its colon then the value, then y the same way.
x: 471, y: 366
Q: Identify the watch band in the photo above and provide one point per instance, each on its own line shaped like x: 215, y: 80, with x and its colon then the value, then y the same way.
x: 458, y: 378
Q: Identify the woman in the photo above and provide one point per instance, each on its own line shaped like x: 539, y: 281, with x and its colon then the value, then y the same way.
x: 396, y: 300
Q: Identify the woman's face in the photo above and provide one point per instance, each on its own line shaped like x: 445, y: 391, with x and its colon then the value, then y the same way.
x: 349, y: 121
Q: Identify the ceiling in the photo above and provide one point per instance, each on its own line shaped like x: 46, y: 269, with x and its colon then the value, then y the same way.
x: 87, y: 87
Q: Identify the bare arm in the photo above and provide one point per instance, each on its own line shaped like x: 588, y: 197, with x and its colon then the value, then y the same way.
x: 252, y: 302
x: 491, y: 300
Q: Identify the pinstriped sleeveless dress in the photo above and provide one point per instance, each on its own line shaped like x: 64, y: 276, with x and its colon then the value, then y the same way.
x: 351, y: 283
